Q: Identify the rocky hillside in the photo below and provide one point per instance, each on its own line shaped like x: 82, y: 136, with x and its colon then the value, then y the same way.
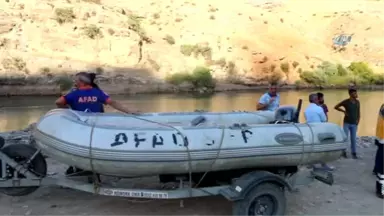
x: 149, y: 40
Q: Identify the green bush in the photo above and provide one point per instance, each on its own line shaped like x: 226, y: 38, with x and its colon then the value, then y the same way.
x: 315, y: 77
x: 330, y: 74
x: 285, y: 67
x: 328, y: 69
x: 364, y: 72
x: 92, y: 31
x: 197, y: 50
x: 200, y: 77
x: 341, y: 71
x: 64, y: 15
x: 178, y: 78
x: 169, y: 39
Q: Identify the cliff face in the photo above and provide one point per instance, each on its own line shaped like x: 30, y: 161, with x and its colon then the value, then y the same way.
x: 148, y: 40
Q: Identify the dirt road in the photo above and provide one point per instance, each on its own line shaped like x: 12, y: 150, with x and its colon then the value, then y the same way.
x: 352, y: 194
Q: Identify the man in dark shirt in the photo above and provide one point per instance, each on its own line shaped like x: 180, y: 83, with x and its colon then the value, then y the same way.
x: 351, y: 118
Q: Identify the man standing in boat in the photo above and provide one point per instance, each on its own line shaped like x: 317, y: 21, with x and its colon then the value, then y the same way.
x: 351, y: 118
x: 87, y: 97
x: 269, y: 101
x: 315, y: 113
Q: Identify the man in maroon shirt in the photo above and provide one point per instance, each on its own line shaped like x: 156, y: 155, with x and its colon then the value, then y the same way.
x: 320, y: 96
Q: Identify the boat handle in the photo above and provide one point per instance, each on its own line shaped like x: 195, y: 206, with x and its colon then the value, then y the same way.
x: 326, y: 137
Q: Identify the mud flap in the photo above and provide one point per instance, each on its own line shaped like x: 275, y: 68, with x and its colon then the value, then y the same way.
x: 323, y: 176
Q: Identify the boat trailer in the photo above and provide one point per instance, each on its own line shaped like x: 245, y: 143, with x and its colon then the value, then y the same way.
x: 23, y: 169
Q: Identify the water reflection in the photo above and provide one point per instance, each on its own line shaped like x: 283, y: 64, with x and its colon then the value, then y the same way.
x: 18, y: 112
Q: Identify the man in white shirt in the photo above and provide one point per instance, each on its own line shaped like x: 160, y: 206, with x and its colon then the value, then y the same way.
x: 269, y: 101
x: 315, y: 114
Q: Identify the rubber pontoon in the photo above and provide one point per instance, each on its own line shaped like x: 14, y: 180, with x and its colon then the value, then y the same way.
x: 254, y: 191
x: 176, y: 143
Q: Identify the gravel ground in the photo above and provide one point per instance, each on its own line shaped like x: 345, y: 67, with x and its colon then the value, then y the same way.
x: 352, y: 194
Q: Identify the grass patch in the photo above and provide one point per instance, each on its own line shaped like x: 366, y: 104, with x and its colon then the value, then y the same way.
x: 295, y: 64
x: 134, y: 24
x: 335, y: 74
x: 64, y: 15
x: 196, y: 50
x: 45, y: 70
x: 285, y: 67
x: 273, y: 75
x: 14, y: 63
x: 200, y: 77
x: 169, y: 39
x: 92, y: 31
x: 4, y: 42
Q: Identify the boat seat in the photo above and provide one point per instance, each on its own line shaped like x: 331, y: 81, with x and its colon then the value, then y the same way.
x: 198, y: 120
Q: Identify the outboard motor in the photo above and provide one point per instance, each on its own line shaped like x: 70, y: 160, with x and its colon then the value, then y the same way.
x: 286, y: 114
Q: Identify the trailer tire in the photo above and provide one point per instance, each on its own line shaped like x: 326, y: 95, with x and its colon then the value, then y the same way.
x: 264, y: 199
x: 21, y: 152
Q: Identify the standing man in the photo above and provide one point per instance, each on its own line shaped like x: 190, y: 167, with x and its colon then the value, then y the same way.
x: 269, y: 101
x: 379, y: 159
x: 320, y: 96
x: 314, y: 113
x: 351, y: 119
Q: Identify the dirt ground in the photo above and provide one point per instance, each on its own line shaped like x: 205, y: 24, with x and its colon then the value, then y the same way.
x: 352, y: 194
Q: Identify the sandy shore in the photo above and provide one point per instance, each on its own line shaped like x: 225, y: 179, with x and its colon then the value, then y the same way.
x: 352, y: 194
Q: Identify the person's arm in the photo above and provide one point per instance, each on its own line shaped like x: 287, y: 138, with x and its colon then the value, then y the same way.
x: 358, y: 112
x: 325, y: 109
x: 64, y: 101
x: 339, y: 105
x: 116, y: 105
x: 323, y: 117
x: 263, y: 102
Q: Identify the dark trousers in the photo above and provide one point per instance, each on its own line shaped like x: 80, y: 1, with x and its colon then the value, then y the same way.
x: 379, y: 159
x: 379, y: 168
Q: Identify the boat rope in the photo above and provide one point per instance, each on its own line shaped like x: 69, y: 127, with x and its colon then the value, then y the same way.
x: 302, y: 144
x: 217, y: 157
x: 313, y: 137
x: 94, y: 175
x: 303, y: 141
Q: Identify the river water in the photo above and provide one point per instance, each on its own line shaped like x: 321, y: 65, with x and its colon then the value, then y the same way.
x: 18, y: 112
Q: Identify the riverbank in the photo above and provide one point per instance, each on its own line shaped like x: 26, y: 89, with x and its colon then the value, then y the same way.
x: 156, y: 88
x: 353, y: 193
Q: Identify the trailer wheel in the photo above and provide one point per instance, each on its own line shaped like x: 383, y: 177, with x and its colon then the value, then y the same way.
x: 264, y: 199
x: 22, y: 153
